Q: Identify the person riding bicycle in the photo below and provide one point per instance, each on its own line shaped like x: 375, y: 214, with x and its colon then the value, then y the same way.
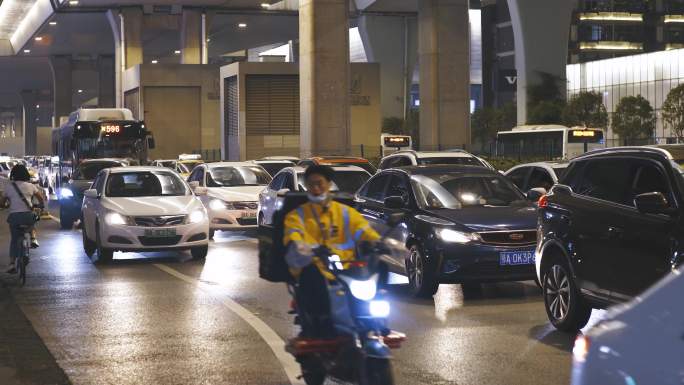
x: 320, y: 222
x: 20, y: 192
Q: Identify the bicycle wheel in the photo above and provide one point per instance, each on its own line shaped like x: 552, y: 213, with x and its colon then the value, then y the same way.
x: 24, y: 255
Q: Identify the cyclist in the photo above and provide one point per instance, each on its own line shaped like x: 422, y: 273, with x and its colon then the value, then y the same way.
x: 20, y: 192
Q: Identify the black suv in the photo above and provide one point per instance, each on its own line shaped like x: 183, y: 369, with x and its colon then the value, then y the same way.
x: 610, y: 229
x: 464, y: 224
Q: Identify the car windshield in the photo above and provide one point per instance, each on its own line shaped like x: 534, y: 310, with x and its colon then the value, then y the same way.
x: 231, y: 176
x: 145, y: 184
x: 455, y: 191
x: 343, y: 181
x: 273, y: 167
x: 88, y: 171
x: 466, y: 160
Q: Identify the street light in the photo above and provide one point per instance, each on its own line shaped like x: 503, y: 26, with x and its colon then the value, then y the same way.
x: 53, y: 23
x: 242, y: 25
x: 155, y: 61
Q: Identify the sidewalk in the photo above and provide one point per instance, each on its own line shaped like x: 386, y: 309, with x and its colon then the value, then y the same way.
x: 24, y: 359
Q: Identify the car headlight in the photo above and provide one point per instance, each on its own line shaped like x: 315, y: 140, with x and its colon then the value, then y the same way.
x: 197, y: 216
x: 450, y: 235
x: 364, y: 290
x: 66, y: 193
x: 379, y: 309
x: 116, y: 219
x: 217, y: 204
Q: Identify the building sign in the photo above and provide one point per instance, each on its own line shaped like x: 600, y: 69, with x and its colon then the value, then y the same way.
x: 507, y: 81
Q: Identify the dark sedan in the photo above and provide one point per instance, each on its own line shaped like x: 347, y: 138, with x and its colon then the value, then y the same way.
x: 464, y: 224
x: 71, y: 195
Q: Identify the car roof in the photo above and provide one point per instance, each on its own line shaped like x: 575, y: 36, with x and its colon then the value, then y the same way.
x: 333, y: 158
x: 434, y: 154
x: 119, y: 160
x: 644, y: 150
x: 542, y: 164
x: 437, y: 169
x: 283, y: 157
x: 230, y: 164
x: 300, y: 169
x: 139, y: 169
x: 278, y: 161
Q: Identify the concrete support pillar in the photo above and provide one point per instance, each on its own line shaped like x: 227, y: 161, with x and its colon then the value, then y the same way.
x: 62, y: 90
x: 28, y: 100
x: 324, y: 77
x: 191, y: 37
x: 106, y: 80
x: 540, y: 32
x: 444, y: 57
x: 132, y: 36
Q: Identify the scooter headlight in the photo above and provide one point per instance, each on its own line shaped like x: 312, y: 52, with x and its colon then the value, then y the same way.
x: 364, y: 290
x: 66, y: 193
x: 379, y: 309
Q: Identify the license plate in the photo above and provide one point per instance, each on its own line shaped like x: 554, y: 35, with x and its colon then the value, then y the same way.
x: 509, y: 258
x: 160, y: 233
x: 248, y: 214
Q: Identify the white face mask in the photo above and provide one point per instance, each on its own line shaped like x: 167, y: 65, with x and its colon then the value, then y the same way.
x: 317, y: 198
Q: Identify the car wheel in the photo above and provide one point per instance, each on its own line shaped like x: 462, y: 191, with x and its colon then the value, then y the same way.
x: 102, y: 254
x: 199, y: 252
x: 422, y: 280
x: 564, y: 304
x: 88, y: 246
x: 211, y: 234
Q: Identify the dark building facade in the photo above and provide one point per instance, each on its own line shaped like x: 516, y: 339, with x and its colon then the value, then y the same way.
x: 600, y: 29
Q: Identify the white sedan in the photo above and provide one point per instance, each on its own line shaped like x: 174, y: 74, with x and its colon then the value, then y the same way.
x: 230, y: 192
x: 142, y: 209
x: 640, y: 342
x: 347, y: 179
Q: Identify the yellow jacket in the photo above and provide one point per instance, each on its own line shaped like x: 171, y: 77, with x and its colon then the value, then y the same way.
x: 344, y: 226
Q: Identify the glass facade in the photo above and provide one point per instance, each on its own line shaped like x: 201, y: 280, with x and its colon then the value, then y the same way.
x: 651, y: 75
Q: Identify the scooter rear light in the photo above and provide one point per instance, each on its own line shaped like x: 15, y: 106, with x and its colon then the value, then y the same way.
x: 298, y: 346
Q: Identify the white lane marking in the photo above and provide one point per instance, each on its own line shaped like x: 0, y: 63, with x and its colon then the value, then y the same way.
x: 271, y: 338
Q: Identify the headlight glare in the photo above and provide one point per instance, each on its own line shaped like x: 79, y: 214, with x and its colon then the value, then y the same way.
x: 449, y: 235
x: 116, y: 219
x: 197, y: 216
x: 379, y: 309
x: 65, y: 193
x: 364, y: 290
x: 217, y: 204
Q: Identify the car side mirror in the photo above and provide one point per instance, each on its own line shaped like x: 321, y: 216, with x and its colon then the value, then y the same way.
x: 561, y: 189
x: 91, y: 193
x: 194, y: 185
x: 535, y: 193
x: 150, y: 143
x: 201, y: 191
x: 651, y: 203
x: 394, y: 203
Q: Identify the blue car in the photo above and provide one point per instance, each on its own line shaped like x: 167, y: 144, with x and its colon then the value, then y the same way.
x: 466, y: 224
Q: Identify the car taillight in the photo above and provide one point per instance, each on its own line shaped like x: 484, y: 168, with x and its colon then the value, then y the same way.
x: 543, y: 201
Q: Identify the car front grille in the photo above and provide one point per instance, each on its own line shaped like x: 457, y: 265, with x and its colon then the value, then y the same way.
x: 159, y: 241
x: 245, y: 205
x: 509, y: 238
x: 158, y: 221
x: 247, y: 221
x: 489, y: 268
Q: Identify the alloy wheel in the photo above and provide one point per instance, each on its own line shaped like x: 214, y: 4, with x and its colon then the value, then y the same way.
x: 558, y: 292
x: 416, y: 272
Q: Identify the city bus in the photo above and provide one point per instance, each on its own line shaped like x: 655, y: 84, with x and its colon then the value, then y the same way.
x: 548, y: 141
x: 92, y: 133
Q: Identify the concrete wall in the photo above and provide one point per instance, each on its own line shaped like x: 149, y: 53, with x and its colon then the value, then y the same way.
x: 12, y: 146
x: 203, y: 78
x: 44, y: 140
x: 365, y: 110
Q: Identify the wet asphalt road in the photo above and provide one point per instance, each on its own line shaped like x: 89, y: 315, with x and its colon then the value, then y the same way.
x: 166, y: 319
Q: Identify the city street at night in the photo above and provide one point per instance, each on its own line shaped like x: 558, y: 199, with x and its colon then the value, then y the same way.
x: 166, y: 319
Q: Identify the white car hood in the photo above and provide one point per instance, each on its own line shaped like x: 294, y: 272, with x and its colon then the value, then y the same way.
x: 236, y: 194
x: 165, y: 205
